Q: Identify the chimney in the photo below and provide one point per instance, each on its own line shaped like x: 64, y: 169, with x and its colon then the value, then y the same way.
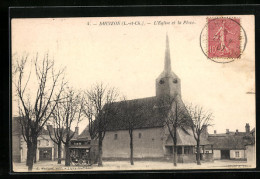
x: 237, y: 131
x: 205, y: 127
x: 247, y: 128
x: 76, y: 131
x: 227, y: 131
x: 215, y: 132
x: 205, y: 130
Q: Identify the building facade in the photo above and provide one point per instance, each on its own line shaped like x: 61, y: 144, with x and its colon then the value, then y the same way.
x: 16, y: 140
x: 151, y: 138
x: 47, y: 150
x: 232, y: 145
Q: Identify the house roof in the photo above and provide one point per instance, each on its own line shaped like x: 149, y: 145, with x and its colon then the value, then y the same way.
x: 16, y: 128
x: 230, y: 133
x: 230, y: 141
x: 252, y: 131
x: 84, y: 134
x: 46, y: 132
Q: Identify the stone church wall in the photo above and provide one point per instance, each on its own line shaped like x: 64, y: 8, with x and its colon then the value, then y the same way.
x: 148, y: 143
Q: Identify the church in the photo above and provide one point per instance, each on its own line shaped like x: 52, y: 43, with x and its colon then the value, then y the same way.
x: 151, y: 139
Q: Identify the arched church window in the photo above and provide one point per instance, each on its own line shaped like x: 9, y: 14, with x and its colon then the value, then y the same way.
x: 161, y: 81
x: 175, y: 80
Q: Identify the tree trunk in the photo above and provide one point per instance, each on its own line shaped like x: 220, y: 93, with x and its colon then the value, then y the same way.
x: 59, y: 153
x: 67, y: 151
x: 198, y: 152
x: 100, y: 162
x: 131, y: 148
x: 30, y: 156
x: 175, y: 155
x: 175, y: 147
x: 35, y: 153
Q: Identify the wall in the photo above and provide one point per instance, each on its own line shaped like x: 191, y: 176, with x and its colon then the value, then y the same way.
x: 242, y: 154
x: 217, y: 154
x: 16, y: 148
x: 186, y: 158
x: 250, y: 153
x: 149, y: 145
x: 208, y: 157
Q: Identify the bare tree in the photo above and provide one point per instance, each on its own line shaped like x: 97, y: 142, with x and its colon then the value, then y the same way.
x: 174, y: 116
x: 102, y: 100
x: 36, y: 112
x: 57, y: 132
x: 201, y: 120
x: 131, y: 114
x: 89, y: 112
x: 67, y: 113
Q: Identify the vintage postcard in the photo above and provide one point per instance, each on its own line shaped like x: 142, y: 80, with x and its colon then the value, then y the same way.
x: 133, y: 93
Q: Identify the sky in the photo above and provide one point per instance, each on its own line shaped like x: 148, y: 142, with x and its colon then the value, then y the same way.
x: 130, y: 58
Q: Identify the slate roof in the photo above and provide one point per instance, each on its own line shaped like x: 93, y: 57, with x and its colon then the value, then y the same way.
x: 17, y: 129
x: 230, y: 141
x: 46, y: 132
x: 84, y: 134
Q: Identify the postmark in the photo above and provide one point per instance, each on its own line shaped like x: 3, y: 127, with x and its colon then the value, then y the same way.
x: 223, y: 39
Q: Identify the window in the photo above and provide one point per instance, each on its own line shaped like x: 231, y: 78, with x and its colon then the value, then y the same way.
x: 161, y: 81
x: 39, y: 142
x: 207, y: 152
x: 47, y: 142
x: 140, y: 135
x: 187, y: 150
x: 179, y: 150
x: 175, y: 80
x: 115, y: 136
x: 237, y: 153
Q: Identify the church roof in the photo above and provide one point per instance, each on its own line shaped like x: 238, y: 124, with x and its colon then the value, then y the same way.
x: 167, y: 72
x: 150, y: 117
x: 186, y: 138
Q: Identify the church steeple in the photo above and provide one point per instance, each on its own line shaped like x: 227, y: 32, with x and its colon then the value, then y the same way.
x: 167, y: 58
x: 168, y: 83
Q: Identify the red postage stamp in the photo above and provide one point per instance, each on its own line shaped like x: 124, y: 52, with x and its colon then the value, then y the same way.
x: 224, y: 38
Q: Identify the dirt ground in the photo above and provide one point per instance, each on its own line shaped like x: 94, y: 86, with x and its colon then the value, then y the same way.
x: 50, y: 166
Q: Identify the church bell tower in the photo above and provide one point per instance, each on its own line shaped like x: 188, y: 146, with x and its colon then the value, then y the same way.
x: 168, y: 83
